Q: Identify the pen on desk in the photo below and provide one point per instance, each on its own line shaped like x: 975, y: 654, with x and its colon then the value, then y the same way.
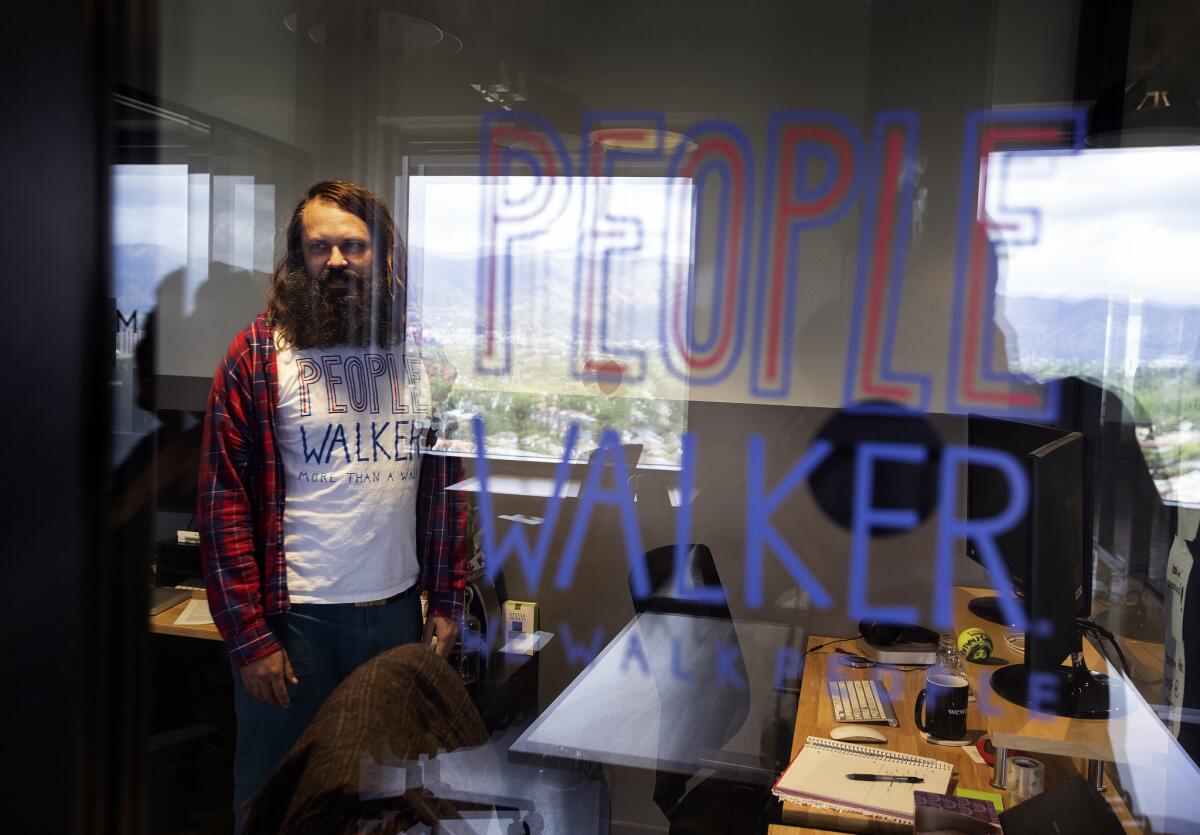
x: 885, y: 778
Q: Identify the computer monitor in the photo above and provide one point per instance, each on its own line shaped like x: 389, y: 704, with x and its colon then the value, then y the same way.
x: 1053, y: 576
x: 988, y: 493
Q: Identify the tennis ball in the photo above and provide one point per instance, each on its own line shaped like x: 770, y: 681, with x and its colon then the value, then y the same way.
x: 974, y: 644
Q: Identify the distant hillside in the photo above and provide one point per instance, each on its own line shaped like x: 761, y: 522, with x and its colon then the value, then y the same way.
x: 544, y: 301
x: 1074, y: 331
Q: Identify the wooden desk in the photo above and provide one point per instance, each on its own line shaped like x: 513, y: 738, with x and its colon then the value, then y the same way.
x: 1157, y: 776
x: 1061, y: 744
x: 164, y: 622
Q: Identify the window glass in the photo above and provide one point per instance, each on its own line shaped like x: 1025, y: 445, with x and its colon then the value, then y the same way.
x: 552, y: 363
x: 1107, y: 294
x: 566, y: 410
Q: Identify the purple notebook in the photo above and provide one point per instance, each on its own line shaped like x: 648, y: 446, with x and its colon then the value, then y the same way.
x: 981, y: 810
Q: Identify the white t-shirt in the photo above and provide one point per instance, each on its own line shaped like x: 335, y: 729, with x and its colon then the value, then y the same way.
x: 351, y: 424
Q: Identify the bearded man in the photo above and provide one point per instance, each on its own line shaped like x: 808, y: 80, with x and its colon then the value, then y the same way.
x: 321, y: 515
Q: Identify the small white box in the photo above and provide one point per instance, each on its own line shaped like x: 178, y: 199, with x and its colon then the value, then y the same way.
x: 519, y: 618
x: 522, y: 644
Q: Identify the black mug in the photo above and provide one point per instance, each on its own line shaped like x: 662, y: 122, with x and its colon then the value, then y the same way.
x: 946, y: 717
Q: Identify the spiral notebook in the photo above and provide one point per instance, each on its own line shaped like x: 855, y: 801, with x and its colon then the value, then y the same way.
x: 817, y: 777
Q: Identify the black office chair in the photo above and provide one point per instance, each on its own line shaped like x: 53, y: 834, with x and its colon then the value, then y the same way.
x: 630, y: 453
x: 700, y: 571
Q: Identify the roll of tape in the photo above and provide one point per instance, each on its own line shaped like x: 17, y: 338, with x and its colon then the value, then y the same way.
x: 1026, y: 778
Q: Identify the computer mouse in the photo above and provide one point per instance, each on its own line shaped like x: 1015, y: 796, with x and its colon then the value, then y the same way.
x: 856, y: 733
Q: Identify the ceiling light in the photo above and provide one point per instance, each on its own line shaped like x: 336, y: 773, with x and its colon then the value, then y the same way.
x: 640, y: 139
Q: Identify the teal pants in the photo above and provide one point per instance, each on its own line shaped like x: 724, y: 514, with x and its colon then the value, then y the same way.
x: 324, y: 642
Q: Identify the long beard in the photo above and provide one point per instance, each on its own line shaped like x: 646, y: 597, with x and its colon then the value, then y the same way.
x: 315, y: 314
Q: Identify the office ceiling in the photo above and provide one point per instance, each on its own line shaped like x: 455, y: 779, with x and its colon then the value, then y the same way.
x: 264, y: 64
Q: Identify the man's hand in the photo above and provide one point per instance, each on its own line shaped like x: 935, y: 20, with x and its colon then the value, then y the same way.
x: 267, y: 678
x: 446, y: 630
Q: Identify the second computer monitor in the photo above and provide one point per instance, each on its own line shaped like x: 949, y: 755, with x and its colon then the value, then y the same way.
x: 1054, y: 569
x: 989, y: 493
x: 1055, y: 579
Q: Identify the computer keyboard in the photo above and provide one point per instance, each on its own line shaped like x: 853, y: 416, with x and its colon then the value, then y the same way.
x: 861, y: 701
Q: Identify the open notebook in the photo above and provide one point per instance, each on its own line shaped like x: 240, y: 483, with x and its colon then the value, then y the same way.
x: 817, y: 777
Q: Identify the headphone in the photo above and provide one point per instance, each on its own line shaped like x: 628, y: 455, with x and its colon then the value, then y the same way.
x: 886, y: 634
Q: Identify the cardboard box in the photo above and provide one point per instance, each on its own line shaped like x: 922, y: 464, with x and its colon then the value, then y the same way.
x: 520, y: 617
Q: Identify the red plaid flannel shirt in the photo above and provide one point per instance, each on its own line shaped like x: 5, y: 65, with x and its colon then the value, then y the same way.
x: 240, y: 507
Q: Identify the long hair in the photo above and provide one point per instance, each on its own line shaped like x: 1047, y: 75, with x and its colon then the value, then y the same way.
x: 390, y: 266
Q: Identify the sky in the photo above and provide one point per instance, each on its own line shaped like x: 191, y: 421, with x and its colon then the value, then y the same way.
x: 1121, y: 223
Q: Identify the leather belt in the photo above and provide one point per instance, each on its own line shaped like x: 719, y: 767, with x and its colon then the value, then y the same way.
x: 363, y: 604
